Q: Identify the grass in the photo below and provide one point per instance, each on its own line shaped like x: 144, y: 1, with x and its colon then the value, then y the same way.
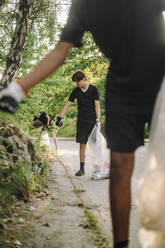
x: 98, y: 237
x: 18, y: 182
x: 79, y: 191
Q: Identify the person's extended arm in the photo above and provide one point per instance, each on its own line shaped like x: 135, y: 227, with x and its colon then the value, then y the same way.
x: 48, y: 120
x: 65, y: 108
x: 59, y: 121
x: 97, y: 109
x: 49, y: 64
x: 16, y: 91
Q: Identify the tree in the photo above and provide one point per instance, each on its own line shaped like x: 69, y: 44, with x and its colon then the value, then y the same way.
x: 34, y: 23
x: 15, y: 57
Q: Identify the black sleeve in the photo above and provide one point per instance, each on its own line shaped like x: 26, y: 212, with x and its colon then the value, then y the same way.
x: 75, y: 27
x: 43, y: 118
x: 35, y: 118
x: 96, y: 93
x: 73, y: 95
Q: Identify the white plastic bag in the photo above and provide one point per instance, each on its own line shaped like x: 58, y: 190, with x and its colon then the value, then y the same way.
x: 151, y: 190
x: 98, y: 154
x: 45, y: 142
x: 151, y: 239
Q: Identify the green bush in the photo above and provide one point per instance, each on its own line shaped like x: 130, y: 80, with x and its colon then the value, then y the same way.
x: 20, y: 179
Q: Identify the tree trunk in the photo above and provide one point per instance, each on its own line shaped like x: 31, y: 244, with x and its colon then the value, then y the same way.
x: 16, y: 54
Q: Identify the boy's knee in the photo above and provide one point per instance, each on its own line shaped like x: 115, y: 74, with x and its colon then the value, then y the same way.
x: 121, y: 163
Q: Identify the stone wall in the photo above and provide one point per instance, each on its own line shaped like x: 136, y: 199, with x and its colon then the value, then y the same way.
x: 15, y: 145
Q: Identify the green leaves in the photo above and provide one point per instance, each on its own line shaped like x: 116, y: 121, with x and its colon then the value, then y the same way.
x: 52, y: 94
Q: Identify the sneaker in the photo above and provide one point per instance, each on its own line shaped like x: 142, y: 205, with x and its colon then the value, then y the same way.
x: 79, y: 173
x: 101, y: 174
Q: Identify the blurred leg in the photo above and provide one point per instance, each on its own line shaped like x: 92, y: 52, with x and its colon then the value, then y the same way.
x: 120, y: 194
x: 55, y: 140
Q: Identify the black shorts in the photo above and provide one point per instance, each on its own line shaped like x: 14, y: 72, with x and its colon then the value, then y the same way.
x: 84, y: 129
x: 125, y: 131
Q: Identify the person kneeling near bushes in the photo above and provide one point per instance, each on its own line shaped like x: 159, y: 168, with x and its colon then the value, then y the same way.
x: 45, y: 121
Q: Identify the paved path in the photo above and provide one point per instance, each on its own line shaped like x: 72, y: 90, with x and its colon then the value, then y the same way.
x: 97, y: 191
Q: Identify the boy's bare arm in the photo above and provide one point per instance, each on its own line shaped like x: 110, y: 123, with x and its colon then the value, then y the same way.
x: 97, y: 109
x: 49, y: 64
x: 17, y: 90
x: 48, y: 119
x: 65, y: 108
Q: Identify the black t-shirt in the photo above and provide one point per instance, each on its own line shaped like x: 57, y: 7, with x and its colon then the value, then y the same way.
x: 86, y: 102
x: 132, y: 34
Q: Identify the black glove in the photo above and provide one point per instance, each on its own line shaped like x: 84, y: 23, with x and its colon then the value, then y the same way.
x: 59, y: 121
x: 8, y: 104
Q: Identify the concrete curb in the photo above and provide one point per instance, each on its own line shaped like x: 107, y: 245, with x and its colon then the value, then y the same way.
x: 65, y: 138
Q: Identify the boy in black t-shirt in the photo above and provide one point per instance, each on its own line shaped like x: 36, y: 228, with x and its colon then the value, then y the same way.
x: 88, y: 112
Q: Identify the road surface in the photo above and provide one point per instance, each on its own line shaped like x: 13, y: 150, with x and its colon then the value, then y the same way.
x: 97, y: 191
